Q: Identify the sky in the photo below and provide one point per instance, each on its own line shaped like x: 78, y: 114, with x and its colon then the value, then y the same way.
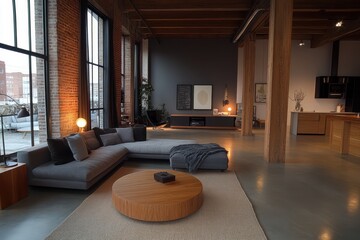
x: 15, y: 62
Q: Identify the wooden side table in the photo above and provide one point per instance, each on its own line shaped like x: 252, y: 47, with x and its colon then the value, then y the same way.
x: 13, y: 185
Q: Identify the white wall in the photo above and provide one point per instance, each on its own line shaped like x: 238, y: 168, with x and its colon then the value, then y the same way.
x: 306, y: 64
x: 145, y: 59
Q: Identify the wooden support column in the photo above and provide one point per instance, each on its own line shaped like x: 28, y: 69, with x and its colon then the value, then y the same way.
x: 278, y: 79
x: 248, y: 86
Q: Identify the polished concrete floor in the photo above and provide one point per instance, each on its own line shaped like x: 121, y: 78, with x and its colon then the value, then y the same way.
x: 315, y: 195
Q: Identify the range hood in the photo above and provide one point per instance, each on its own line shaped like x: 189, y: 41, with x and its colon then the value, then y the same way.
x: 332, y: 86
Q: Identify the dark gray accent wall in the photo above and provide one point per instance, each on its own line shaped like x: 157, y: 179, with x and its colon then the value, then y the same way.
x: 192, y: 61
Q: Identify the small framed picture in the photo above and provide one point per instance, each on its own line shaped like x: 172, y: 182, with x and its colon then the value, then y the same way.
x: 202, y: 97
x: 260, y: 92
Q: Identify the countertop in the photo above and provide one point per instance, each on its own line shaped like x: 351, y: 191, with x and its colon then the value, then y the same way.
x: 335, y: 113
x: 353, y: 118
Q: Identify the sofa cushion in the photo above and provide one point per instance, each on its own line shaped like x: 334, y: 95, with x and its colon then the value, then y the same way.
x: 78, y: 147
x: 155, y: 146
x: 91, y: 141
x: 60, y: 151
x: 99, y: 161
x: 126, y: 134
x: 110, y: 139
x: 100, y: 131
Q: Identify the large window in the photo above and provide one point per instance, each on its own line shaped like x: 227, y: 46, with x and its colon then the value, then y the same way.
x: 23, y: 64
x: 122, y: 75
x: 96, y: 69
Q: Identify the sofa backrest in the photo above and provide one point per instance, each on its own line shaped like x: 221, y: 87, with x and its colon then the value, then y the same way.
x: 34, y: 156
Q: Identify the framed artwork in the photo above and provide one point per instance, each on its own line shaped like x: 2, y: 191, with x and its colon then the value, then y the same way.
x: 202, y: 99
x: 183, y: 97
x: 260, y: 92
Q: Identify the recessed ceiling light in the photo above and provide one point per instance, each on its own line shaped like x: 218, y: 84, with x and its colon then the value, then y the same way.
x: 339, y: 24
x: 301, y: 43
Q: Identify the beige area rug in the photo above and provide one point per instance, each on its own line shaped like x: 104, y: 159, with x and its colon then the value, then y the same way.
x: 225, y: 214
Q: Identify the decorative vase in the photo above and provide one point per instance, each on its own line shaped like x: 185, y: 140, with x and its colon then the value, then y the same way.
x: 297, y: 106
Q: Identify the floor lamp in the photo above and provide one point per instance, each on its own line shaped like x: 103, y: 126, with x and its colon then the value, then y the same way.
x: 22, y: 113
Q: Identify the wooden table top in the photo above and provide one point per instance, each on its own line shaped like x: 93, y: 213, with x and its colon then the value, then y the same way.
x: 139, y: 196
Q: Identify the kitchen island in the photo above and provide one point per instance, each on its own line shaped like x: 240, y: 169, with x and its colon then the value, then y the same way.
x: 345, y: 134
x: 312, y: 122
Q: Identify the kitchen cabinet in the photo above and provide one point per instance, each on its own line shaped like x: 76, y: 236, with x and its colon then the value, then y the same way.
x: 312, y: 122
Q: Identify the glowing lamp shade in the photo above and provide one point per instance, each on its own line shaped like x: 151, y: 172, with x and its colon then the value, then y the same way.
x: 81, y: 123
x: 229, y: 109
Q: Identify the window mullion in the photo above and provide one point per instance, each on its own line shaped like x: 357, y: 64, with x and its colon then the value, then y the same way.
x: 29, y: 25
x: 15, y: 23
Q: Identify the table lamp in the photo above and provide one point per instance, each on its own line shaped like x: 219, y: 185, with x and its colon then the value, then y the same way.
x: 229, y: 110
x: 81, y: 123
x: 22, y: 113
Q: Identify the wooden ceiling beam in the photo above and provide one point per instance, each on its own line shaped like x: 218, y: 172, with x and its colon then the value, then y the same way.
x: 156, y: 5
x: 194, y: 31
x: 337, y: 33
x: 321, y: 16
x: 311, y: 19
x: 191, y: 36
x: 265, y: 30
x: 170, y: 10
x: 326, y: 5
x: 143, y: 19
x: 198, y: 23
x: 189, y: 15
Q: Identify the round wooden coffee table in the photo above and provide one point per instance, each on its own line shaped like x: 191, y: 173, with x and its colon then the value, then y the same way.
x: 139, y: 196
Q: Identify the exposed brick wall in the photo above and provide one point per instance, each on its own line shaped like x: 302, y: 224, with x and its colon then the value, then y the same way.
x: 68, y: 28
x: 53, y: 69
x: 129, y: 78
x: 117, y: 32
x: 64, y: 59
x: 39, y: 78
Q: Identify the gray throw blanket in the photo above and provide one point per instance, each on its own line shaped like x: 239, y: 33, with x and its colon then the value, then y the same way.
x: 195, y: 154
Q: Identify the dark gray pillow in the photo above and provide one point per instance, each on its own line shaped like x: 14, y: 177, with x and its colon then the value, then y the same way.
x: 91, y: 141
x: 78, y: 147
x: 110, y: 139
x: 60, y: 151
x: 100, y: 131
x: 139, y: 132
x: 126, y: 134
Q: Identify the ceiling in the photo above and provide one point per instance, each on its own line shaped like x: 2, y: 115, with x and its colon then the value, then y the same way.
x: 312, y: 19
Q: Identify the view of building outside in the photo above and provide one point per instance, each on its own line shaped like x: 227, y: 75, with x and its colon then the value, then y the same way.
x: 22, y: 74
x: 95, y: 41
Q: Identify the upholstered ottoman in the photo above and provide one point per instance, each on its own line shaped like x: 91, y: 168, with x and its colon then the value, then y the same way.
x: 217, y: 160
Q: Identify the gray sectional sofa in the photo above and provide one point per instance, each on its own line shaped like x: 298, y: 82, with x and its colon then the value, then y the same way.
x: 42, y: 169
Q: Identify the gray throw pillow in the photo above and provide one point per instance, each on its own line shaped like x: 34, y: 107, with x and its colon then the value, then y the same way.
x: 91, y: 141
x: 78, y: 147
x: 110, y: 139
x: 126, y: 134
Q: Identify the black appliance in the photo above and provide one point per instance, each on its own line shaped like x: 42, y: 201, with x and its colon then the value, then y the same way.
x: 330, y: 87
x: 352, y: 102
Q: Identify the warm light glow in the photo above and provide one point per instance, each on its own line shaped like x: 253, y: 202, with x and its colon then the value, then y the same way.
x: 81, y: 123
x: 229, y: 109
x: 302, y: 43
x: 325, y: 235
x: 260, y: 183
x: 339, y: 24
x: 353, y: 203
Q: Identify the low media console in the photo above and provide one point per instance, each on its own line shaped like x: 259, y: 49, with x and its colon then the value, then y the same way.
x: 203, y: 121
